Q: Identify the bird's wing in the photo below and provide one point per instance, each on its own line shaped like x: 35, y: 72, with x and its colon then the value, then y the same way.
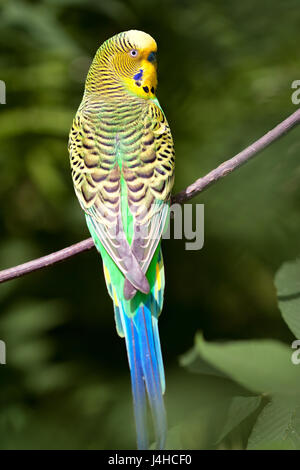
x: 97, y: 181
x: 149, y: 182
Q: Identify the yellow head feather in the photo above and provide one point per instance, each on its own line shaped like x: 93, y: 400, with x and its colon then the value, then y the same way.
x: 128, y: 59
x: 141, y: 40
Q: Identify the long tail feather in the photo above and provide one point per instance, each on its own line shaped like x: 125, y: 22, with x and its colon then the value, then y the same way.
x: 158, y: 354
x: 137, y: 382
x: 137, y: 321
x: 145, y: 361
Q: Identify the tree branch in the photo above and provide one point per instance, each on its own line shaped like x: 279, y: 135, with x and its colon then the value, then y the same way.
x: 56, y: 257
x: 233, y: 163
x: 191, y: 191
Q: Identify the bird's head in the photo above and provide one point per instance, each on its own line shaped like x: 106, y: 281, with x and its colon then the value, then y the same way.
x: 129, y: 58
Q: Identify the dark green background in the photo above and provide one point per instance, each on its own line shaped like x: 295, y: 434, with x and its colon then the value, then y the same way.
x: 225, y: 74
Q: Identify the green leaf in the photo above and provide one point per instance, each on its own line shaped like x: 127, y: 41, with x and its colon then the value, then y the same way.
x: 262, y: 366
x: 174, y: 438
x: 239, y: 409
x: 277, y: 427
x: 194, y: 363
x: 275, y: 445
x: 204, y: 403
x: 287, y: 282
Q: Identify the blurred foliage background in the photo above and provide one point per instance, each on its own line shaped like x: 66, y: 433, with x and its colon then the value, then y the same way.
x: 225, y: 74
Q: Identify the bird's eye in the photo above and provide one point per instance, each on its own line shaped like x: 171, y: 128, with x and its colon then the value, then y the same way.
x: 133, y: 53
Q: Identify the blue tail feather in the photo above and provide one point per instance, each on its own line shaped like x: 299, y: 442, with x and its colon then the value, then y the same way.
x: 137, y: 321
x: 137, y: 382
x: 158, y: 354
x: 146, y: 367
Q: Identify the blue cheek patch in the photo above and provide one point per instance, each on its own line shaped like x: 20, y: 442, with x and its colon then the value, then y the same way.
x: 138, y: 75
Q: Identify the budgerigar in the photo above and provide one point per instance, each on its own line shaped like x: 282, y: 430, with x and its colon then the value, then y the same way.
x: 122, y: 161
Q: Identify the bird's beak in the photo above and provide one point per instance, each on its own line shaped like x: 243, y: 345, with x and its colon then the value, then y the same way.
x: 149, y: 74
